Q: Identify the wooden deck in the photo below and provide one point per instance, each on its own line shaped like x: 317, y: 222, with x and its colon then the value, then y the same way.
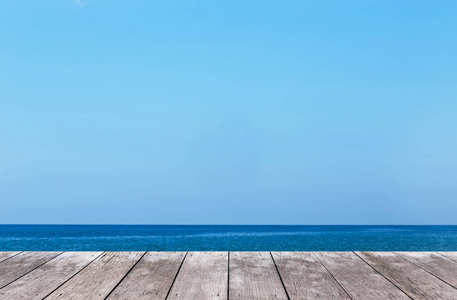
x: 228, y: 275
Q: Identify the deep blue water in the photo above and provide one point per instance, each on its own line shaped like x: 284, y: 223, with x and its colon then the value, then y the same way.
x: 232, y: 238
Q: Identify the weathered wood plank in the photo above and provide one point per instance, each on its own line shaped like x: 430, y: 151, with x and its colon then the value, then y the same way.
x: 151, y: 278
x: 253, y: 276
x: 99, y: 278
x: 450, y: 255
x: 440, y: 266
x: 306, y: 278
x: 413, y: 280
x: 358, y: 278
x: 203, y: 275
x: 7, y: 254
x: 43, y: 280
x: 18, y: 265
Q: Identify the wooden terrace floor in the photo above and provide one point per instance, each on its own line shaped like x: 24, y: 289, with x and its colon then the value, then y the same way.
x: 228, y: 275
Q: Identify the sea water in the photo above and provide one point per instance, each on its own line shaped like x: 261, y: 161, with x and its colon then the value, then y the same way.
x: 226, y: 238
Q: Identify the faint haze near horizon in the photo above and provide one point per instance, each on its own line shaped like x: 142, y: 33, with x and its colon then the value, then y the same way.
x: 204, y: 112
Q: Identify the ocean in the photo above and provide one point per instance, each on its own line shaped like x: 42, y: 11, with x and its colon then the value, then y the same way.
x: 226, y: 238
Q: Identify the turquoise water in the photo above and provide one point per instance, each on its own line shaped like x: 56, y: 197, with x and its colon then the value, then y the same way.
x: 231, y: 238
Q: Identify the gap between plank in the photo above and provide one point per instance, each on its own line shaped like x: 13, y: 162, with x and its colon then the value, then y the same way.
x: 30, y: 270
x: 11, y: 256
x: 399, y: 253
x: 448, y: 257
x: 72, y: 276
x: 384, y: 276
x: 334, y: 278
x: 125, y: 275
x: 174, y: 279
x: 228, y: 275
x: 279, y: 274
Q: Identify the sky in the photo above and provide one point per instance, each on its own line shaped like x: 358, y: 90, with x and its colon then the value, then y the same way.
x: 228, y: 112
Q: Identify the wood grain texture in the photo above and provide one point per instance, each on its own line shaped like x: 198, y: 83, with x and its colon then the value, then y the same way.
x: 217, y: 275
x: 19, y: 265
x: 203, y: 275
x: 43, y: 280
x: 306, y: 278
x: 7, y: 254
x: 413, y: 280
x: 253, y: 275
x: 358, y: 278
x: 440, y: 266
x: 151, y: 278
x: 450, y: 255
x: 99, y: 278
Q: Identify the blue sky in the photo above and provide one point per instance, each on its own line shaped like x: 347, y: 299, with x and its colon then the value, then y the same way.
x: 228, y: 112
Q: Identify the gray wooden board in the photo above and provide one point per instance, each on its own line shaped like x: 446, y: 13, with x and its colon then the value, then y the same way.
x: 358, y: 278
x: 450, y: 255
x: 306, y: 278
x: 206, y: 275
x: 151, y: 278
x: 440, y: 266
x: 203, y: 275
x: 99, y: 278
x: 7, y: 254
x: 43, y: 280
x: 253, y: 275
x: 19, y: 265
x: 413, y: 280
